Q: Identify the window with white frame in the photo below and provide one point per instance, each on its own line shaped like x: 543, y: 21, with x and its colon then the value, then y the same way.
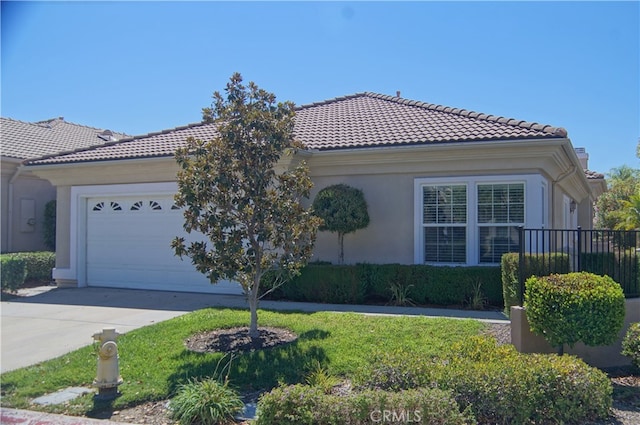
x: 445, y: 223
x: 500, y: 210
x: 472, y: 220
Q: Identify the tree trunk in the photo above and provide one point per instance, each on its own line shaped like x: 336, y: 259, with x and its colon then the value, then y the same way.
x: 341, y: 242
x: 252, y: 297
x: 561, y: 350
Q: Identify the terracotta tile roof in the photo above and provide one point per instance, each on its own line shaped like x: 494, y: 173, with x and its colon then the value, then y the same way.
x: 24, y: 140
x: 160, y: 144
x: 593, y: 175
x: 359, y: 120
x: 370, y: 119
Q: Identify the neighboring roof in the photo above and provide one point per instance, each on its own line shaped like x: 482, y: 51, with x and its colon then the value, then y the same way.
x: 24, y: 140
x: 593, y: 175
x: 359, y: 120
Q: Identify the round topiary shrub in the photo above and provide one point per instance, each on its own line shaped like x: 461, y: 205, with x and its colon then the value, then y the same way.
x: 343, y: 209
x: 631, y: 344
x: 573, y: 307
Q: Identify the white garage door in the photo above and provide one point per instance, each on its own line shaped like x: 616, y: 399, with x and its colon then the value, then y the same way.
x: 129, y: 246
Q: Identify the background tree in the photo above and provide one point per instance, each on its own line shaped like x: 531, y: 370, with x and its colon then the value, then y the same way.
x: 343, y: 209
x: 629, y: 216
x: 251, y: 215
x: 623, y: 183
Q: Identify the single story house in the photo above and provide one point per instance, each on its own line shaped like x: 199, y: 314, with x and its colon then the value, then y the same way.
x: 443, y: 186
x: 24, y: 195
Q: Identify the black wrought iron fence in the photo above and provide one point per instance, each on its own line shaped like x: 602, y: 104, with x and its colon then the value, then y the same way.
x: 604, y: 252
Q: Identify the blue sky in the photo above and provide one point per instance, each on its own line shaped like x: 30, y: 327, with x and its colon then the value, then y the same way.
x: 138, y: 67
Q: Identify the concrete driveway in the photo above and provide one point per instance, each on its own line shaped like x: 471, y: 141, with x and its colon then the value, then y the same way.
x: 45, y: 323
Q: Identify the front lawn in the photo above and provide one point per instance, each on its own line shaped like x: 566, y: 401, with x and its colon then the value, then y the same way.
x: 154, y: 359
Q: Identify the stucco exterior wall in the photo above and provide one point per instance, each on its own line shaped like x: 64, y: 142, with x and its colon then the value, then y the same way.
x: 20, y: 193
x: 386, y: 176
x: 63, y: 227
x: 389, y: 236
x: 6, y: 170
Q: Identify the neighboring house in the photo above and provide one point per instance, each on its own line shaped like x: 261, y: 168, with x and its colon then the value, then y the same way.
x: 443, y: 185
x: 24, y: 195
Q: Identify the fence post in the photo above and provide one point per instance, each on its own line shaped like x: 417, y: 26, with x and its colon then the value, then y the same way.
x: 521, y: 243
x: 579, y: 251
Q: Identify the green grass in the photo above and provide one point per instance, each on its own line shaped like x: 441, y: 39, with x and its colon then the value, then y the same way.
x: 154, y: 361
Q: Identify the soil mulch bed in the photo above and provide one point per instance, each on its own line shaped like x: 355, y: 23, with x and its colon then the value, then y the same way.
x: 237, y: 340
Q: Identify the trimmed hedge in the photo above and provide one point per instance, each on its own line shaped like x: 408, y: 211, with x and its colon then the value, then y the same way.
x: 37, y: 267
x: 573, y: 307
x: 623, y: 267
x: 535, y: 265
x: 373, y: 283
x: 12, y: 272
x: 307, y: 405
x: 500, y: 385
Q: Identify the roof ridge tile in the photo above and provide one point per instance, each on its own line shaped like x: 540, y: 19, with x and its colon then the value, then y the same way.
x: 557, y: 131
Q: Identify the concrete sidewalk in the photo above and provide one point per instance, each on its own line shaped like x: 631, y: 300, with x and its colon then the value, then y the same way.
x: 28, y: 417
x: 46, y: 324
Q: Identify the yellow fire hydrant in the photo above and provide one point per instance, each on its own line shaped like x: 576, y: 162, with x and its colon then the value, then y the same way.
x: 108, y: 376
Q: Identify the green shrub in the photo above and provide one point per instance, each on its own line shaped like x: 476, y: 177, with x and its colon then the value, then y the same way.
x: 39, y: 265
x: 206, y: 402
x: 395, y: 370
x: 49, y: 225
x: 300, y: 404
x: 321, y: 283
x: 574, y: 307
x: 631, y: 344
x: 375, y: 283
x: 13, y: 271
x: 534, y: 265
x: 500, y: 385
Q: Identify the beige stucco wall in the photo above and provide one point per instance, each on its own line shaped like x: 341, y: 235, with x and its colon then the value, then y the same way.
x: 386, y: 176
x: 389, y: 236
x: 6, y: 171
x: 17, y: 187
x: 63, y: 227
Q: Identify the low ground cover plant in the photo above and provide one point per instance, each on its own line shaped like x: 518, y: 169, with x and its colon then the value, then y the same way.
x: 309, y: 405
x: 206, y: 402
x: 498, y: 384
x: 573, y: 307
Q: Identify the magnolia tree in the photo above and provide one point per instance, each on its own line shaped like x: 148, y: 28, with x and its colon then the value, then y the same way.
x: 250, y: 214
